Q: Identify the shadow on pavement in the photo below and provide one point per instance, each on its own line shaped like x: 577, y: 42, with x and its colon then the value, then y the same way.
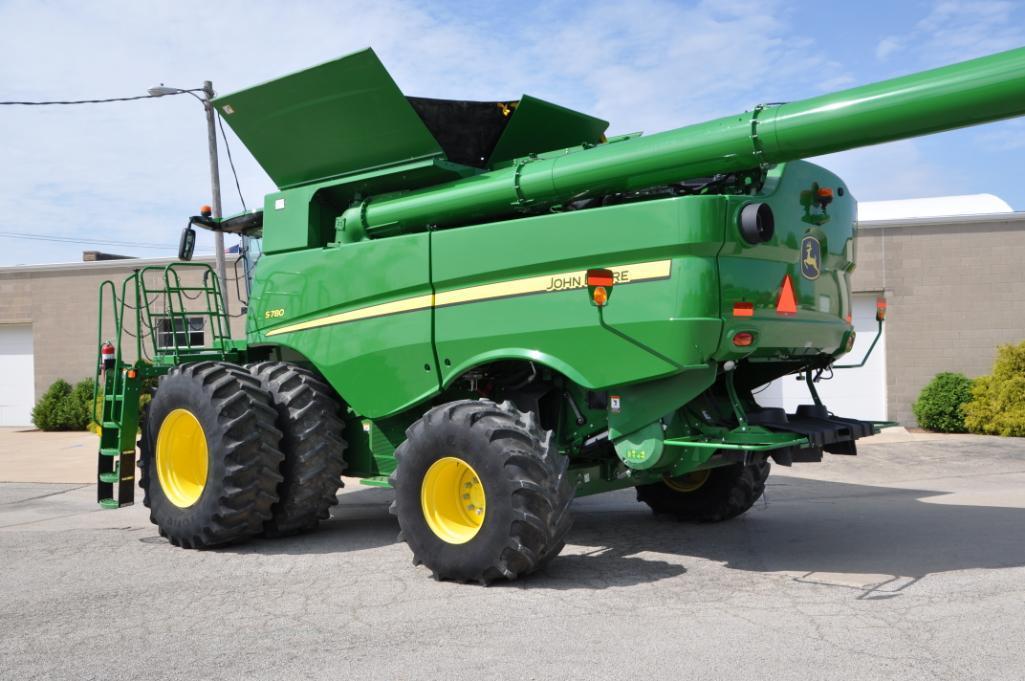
x: 804, y: 526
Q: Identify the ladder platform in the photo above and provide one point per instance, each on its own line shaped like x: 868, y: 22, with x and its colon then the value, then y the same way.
x: 113, y: 503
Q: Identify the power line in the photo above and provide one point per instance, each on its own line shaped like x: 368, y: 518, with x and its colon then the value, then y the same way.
x: 92, y: 101
x: 178, y: 91
x: 220, y: 121
x: 90, y: 242
x: 231, y: 162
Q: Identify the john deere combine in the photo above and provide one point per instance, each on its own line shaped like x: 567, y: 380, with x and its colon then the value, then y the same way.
x: 492, y: 308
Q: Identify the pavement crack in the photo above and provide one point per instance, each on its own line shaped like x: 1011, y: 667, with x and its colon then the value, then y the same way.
x: 44, y: 496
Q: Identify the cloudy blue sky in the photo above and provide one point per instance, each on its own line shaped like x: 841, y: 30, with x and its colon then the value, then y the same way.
x: 133, y: 171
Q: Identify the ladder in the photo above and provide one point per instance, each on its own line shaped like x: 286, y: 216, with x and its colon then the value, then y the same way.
x: 115, y: 466
x: 120, y: 383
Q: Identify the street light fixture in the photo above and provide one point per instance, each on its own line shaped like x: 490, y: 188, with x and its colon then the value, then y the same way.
x: 215, y: 175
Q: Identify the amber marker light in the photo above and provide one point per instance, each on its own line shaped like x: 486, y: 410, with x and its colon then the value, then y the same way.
x: 600, y: 283
x: 743, y: 309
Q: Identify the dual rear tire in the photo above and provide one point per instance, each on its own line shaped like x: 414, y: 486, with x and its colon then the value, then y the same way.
x: 229, y: 452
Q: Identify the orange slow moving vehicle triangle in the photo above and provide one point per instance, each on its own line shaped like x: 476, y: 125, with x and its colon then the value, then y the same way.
x: 787, y: 302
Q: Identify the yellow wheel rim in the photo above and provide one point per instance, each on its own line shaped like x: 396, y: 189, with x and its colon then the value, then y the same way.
x: 182, y: 458
x: 691, y: 482
x: 453, y: 500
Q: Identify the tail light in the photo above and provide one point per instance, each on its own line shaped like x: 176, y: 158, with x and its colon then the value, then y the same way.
x: 743, y: 339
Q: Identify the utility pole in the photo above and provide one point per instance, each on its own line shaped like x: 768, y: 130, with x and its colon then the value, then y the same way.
x: 215, y: 189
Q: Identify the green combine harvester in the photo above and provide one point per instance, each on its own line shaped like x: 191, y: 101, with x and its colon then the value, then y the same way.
x: 493, y: 308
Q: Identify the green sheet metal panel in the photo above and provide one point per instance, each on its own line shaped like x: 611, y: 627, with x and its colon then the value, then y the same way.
x: 332, y: 119
x: 374, y: 299
x: 496, y: 299
x: 537, y: 126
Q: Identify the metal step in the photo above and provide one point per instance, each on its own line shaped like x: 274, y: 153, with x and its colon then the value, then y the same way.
x: 110, y: 477
x: 110, y: 451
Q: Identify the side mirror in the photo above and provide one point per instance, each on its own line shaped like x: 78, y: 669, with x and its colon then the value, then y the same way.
x: 187, y: 244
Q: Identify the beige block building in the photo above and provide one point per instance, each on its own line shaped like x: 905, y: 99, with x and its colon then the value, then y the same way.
x: 955, y: 289
x: 48, y: 319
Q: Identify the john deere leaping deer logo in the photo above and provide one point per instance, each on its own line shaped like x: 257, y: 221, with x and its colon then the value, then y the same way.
x: 811, y: 257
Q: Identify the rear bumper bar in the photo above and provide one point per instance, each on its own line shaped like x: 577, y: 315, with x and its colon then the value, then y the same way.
x: 786, y: 438
x: 822, y: 430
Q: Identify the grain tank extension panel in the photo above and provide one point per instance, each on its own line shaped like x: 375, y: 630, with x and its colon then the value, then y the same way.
x: 349, y: 116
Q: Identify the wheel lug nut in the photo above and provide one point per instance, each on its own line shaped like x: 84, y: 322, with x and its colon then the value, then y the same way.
x: 466, y: 496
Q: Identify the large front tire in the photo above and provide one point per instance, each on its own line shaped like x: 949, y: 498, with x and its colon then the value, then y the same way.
x: 481, y: 493
x: 708, y: 496
x: 311, y: 440
x: 210, y: 455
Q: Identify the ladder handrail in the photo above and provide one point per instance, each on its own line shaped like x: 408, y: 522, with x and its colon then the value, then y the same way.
x: 99, y: 344
x: 176, y: 308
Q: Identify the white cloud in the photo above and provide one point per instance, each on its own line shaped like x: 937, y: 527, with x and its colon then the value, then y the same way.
x: 955, y: 30
x: 886, y: 47
x: 898, y: 170
x: 1003, y: 137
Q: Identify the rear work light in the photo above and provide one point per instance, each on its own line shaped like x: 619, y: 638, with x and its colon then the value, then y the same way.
x: 880, y: 309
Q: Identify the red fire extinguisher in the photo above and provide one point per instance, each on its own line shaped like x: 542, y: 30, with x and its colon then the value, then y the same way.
x: 107, y: 355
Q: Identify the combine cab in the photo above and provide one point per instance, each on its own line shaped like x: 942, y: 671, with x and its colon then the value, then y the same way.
x: 492, y: 308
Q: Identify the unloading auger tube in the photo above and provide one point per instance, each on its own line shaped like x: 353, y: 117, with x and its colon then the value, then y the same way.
x: 969, y: 93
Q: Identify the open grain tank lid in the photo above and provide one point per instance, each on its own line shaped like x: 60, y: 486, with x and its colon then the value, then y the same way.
x: 349, y: 116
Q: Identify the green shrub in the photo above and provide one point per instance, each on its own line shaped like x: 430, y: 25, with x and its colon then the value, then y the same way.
x: 939, y: 405
x: 80, y: 407
x: 48, y: 412
x: 997, y: 406
x: 63, y: 407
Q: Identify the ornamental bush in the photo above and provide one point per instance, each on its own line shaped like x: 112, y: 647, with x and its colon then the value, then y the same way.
x: 997, y: 406
x: 64, y: 408
x: 939, y: 406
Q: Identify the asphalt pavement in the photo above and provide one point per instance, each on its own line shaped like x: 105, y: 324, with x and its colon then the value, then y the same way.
x: 905, y: 562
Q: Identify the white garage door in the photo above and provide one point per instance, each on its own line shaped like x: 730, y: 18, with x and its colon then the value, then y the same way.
x: 853, y: 393
x: 17, y: 391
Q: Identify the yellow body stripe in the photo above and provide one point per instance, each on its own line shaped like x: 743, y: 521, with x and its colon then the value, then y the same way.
x: 404, y: 305
x: 548, y: 283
